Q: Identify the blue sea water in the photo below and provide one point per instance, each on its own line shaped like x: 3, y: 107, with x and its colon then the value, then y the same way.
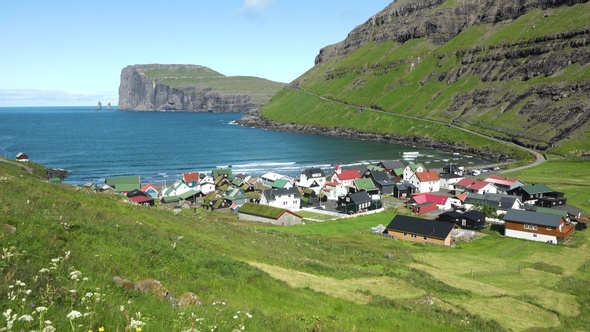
x: 160, y: 146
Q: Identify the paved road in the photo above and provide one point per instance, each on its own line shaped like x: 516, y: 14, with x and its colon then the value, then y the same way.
x: 17, y: 163
x: 539, y: 157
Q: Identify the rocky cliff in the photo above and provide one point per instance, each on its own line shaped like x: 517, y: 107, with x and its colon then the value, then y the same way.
x: 190, y: 88
x: 514, y: 70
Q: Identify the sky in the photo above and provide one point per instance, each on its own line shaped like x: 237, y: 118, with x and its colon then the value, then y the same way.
x: 71, y: 53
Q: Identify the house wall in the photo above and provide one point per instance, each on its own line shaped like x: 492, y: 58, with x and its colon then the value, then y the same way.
x: 424, y: 208
x: 519, y: 227
x: 419, y: 238
x: 530, y: 236
x: 288, y: 219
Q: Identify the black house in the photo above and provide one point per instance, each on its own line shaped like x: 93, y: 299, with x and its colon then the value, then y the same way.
x: 355, y: 202
x: 381, y: 180
x: 467, y: 220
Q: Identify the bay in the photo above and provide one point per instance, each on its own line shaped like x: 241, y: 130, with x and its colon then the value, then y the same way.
x: 160, y: 146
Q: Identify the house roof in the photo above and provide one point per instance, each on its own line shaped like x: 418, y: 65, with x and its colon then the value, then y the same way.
x: 427, y: 176
x: 424, y: 227
x: 375, y: 168
x: 148, y: 187
x: 562, y: 213
x: 574, y: 211
x: 498, y: 200
x: 472, y: 184
x: 449, y: 176
x: 359, y: 197
x: 190, y: 177
x: 534, y: 218
x: 272, y: 193
x: 140, y: 199
x: 225, y: 172
x: 314, y: 172
x: 114, y: 181
x: 265, y: 211
x: 189, y: 193
x: 280, y: 183
x: 426, y: 197
x: 538, y: 188
x: 125, y: 187
x: 452, y: 214
x: 350, y: 174
x: 495, y: 179
x: 474, y: 215
x: 392, y: 164
x: 364, y: 184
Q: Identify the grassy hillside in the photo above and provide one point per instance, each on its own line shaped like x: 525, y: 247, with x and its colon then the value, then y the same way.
x: 260, y: 89
x: 503, y: 80
x: 62, y: 246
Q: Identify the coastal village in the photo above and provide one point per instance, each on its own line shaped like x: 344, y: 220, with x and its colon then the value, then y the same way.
x: 440, y: 206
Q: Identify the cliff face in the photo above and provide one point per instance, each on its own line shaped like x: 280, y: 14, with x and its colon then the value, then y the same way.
x: 166, y: 88
x: 514, y: 70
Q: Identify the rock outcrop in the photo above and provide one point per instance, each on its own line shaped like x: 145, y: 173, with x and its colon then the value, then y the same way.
x: 139, y: 91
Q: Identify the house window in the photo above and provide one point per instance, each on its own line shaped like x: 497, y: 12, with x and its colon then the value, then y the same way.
x: 530, y: 227
x: 534, y: 235
x: 549, y: 228
x: 413, y: 236
x: 405, y: 234
x: 425, y: 238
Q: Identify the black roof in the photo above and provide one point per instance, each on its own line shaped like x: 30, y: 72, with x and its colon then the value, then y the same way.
x: 392, y: 164
x: 452, y: 214
x: 474, y: 215
x: 423, y: 227
x: 497, y: 200
x: 359, y: 197
x: 534, y: 218
x: 270, y: 194
x: 314, y: 170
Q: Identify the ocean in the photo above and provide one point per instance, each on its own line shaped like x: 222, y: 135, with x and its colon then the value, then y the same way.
x: 160, y: 146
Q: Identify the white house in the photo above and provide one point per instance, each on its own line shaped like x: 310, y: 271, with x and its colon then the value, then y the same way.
x: 176, y: 189
x: 448, y: 180
x: 313, y: 178
x: 283, y: 198
x: 206, y: 185
x: 427, y: 181
x: 269, y: 178
x: 412, y: 169
x: 477, y: 187
x: 333, y: 190
x: 345, y: 176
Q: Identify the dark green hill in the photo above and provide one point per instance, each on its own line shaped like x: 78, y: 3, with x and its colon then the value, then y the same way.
x: 516, y: 71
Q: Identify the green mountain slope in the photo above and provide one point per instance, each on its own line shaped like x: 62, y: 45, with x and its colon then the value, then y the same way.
x: 519, y: 73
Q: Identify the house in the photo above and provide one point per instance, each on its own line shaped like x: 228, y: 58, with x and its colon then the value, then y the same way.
x: 191, y: 179
x: 143, y: 200
x: 530, y: 193
x: 123, y: 184
x: 573, y: 212
x: 453, y: 169
x: 254, y: 183
x: 206, y: 185
x: 474, y: 186
x: 467, y: 220
x: 214, y: 201
x: 448, y: 180
x: 150, y: 190
x: 334, y: 190
x: 537, y: 226
x: 393, y: 167
x: 21, y: 156
x: 190, y: 196
x: 223, y: 172
x: 412, y: 169
x: 345, y: 176
x: 357, y: 202
x: 176, y: 189
x: 381, y: 179
x: 552, y: 199
x: 236, y: 196
x: 313, y: 178
x: 502, y: 203
x: 283, y: 198
x: 269, y: 178
x: 404, y: 190
x: 420, y: 230
x: 282, y: 183
x: 365, y: 184
x: 441, y: 202
x: 426, y: 181
x: 268, y: 214
x: 504, y: 184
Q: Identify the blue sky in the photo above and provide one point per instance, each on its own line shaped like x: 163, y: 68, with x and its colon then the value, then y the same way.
x: 64, y: 52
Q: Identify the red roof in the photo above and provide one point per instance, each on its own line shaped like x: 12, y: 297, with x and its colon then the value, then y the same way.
x: 190, y: 176
x: 140, y: 199
x: 430, y: 198
x: 350, y: 174
x: 147, y: 187
x: 501, y: 180
x: 427, y: 176
x: 472, y: 184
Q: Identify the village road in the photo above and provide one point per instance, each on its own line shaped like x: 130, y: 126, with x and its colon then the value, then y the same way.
x: 539, y: 158
x: 17, y: 163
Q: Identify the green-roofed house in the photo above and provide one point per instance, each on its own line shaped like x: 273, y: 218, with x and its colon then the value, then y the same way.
x: 190, y: 195
x: 224, y: 172
x: 412, y: 169
x: 367, y: 185
x: 282, y: 183
x: 532, y: 192
x: 124, y: 184
x: 268, y: 214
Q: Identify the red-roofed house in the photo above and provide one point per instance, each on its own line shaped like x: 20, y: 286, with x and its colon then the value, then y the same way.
x: 504, y: 184
x: 427, y: 181
x: 474, y: 186
x: 345, y: 177
x: 191, y: 179
x: 150, y: 190
x: 142, y: 200
x: 442, y: 202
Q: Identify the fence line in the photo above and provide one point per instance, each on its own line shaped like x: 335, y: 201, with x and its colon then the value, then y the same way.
x: 494, y: 272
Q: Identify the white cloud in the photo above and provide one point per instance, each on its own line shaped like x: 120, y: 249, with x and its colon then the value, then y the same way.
x: 28, y: 97
x: 256, y: 6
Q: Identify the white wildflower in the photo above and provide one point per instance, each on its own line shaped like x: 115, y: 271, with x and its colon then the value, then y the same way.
x: 41, y: 309
x: 74, y: 314
x: 28, y: 292
x: 235, y: 316
x: 20, y: 283
x: 48, y: 328
x: 44, y: 270
x: 85, y: 279
x: 73, y: 291
x: 47, y: 322
x: 25, y: 318
x: 243, y: 328
x: 122, y: 308
x: 248, y: 314
x: 135, y: 323
x: 55, y: 260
